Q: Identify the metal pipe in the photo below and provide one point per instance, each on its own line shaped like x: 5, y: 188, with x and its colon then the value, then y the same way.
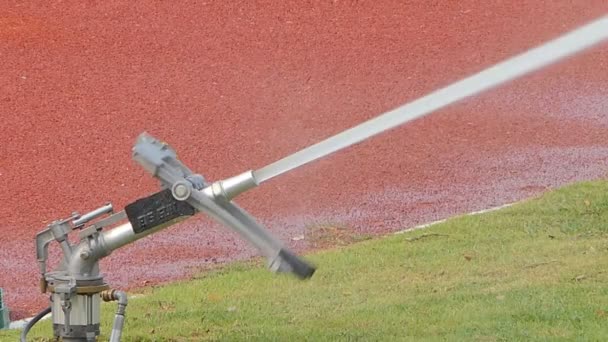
x: 119, y: 321
x: 123, y: 235
x: 118, y: 237
x: 119, y: 318
x: 229, y: 188
x: 93, y: 214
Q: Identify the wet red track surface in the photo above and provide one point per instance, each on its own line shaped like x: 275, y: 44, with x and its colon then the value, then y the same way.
x: 234, y: 87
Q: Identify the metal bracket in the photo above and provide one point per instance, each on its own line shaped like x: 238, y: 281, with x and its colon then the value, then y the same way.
x: 99, y: 225
x: 56, y: 231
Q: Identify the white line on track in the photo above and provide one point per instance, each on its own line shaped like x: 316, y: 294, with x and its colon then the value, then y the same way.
x: 473, y: 213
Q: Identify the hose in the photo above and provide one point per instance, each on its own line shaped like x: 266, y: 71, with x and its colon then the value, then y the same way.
x: 119, y: 319
x: 31, y: 323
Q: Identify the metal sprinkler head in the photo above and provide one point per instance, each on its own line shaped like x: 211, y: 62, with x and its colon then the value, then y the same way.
x: 215, y: 200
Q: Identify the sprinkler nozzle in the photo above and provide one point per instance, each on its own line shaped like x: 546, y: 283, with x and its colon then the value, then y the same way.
x: 229, y: 188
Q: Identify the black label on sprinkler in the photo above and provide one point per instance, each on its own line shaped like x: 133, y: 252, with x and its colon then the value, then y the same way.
x: 160, y: 208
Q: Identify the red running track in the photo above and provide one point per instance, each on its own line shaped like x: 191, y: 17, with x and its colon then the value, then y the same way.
x: 234, y: 87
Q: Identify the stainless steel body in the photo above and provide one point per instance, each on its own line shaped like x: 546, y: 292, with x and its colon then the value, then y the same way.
x: 84, y: 311
x: 84, y: 316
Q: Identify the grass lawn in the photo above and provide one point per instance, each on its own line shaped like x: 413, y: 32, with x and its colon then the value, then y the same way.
x: 534, y: 271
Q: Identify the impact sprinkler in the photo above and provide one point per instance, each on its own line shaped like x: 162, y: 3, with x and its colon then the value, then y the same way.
x: 77, y: 286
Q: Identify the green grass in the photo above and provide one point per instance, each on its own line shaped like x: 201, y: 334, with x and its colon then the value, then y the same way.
x: 534, y: 271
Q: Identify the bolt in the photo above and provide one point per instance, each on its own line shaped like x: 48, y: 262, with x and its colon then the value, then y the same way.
x: 85, y: 254
x: 181, y: 191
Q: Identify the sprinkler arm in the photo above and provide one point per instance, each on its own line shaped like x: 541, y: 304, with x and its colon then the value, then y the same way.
x: 214, y: 200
